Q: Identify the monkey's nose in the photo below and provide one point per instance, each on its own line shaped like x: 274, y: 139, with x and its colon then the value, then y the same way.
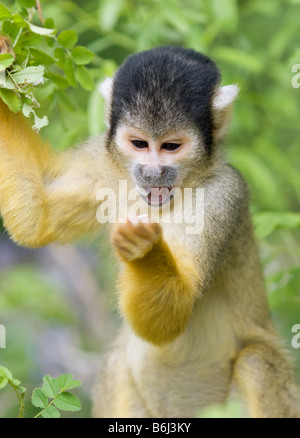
x: 153, y: 172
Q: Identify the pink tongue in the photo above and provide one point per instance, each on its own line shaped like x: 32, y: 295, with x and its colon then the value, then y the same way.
x: 158, y: 195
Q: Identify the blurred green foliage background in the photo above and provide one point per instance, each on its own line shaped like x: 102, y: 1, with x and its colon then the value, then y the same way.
x: 58, y: 303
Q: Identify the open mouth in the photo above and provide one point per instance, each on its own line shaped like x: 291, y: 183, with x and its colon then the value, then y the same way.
x: 156, y: 196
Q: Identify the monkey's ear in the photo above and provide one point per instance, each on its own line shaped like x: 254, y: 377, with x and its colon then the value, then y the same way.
x: 105, y: 89
x: 225, y: 96
x: 222, y: 109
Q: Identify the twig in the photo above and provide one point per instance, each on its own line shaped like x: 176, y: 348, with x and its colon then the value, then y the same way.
x: 39, y: 8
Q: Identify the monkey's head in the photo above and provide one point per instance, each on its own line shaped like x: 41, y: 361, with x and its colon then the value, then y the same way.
x: 166, y: 115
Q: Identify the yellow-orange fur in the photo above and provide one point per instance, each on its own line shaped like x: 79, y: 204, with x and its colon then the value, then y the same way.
x: 154, y: 283
x: 45, y: 196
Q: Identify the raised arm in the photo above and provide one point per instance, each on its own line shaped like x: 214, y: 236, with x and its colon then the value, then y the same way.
x: 45, y: 196
x: 166, y: 271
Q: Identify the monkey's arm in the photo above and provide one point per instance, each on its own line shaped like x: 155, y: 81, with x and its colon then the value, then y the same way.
x: 267, y: 382
x: 157, y: 288
x: 160, y: 283
x: 44, y: 196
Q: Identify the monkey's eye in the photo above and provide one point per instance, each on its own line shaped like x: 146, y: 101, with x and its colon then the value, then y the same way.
x: 170, y: 146
x: 139, y: 144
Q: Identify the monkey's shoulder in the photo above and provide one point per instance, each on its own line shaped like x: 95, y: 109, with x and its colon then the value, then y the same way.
x: 94, y: 148
x: 93, y: 158
x: 227, y: 185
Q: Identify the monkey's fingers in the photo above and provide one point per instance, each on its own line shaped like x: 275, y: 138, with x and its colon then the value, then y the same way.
x: 147, y: 230
x: 134, y: 241
x: 139, y: 230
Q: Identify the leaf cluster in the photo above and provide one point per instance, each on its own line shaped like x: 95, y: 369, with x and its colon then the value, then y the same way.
x: 57, y: 390
x: 52, y: 397
x: 6, y: 378
x: 38, y: 55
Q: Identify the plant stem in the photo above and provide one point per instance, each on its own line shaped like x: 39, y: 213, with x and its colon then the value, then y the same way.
x: 37, y: 415
x: 17, y: 37
x: 11, y: 77
x: 21, y: 401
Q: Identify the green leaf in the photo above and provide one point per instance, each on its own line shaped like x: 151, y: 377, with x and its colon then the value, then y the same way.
x: 15, y: 382
x: 4, y: 372
x: 3, y: 382
x: 30, y: 99
x: 6, y: 60
x: 74, y: 384
x: 26, y: 3
x: 30, y: 39
x: 41, y: 57
x: 66, y: 382
x: 4, y: 12
x: 29, y: 75
x: 67, y: 402
x: 19, y: 21
x: 70, y: 72
x: 6, y: 82
x: 38, y: 398
x: 22, y: 53
x: 50, y: 412
x: 84, y: 78
x: 67, y: 38
x: 50, y: 387
x: 50, y: 41
x: 26, y: 110
x: 11, y: 99
x: 7, y: 26
x: 42, y: 30
x: 49, y: 23
x: 81, y: 55
x: 39, y: 123
x: 60, y: 56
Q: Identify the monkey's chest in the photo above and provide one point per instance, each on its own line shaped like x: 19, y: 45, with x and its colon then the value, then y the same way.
x: 192, y: 372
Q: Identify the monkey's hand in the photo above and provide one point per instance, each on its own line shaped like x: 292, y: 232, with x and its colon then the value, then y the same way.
x: 134, y: 241
x: 157, y: 286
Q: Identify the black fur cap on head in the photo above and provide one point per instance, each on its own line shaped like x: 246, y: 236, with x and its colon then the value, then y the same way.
x: 164, y: 88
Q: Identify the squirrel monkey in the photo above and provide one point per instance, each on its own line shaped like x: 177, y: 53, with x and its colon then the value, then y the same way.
x: 196, y: 319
